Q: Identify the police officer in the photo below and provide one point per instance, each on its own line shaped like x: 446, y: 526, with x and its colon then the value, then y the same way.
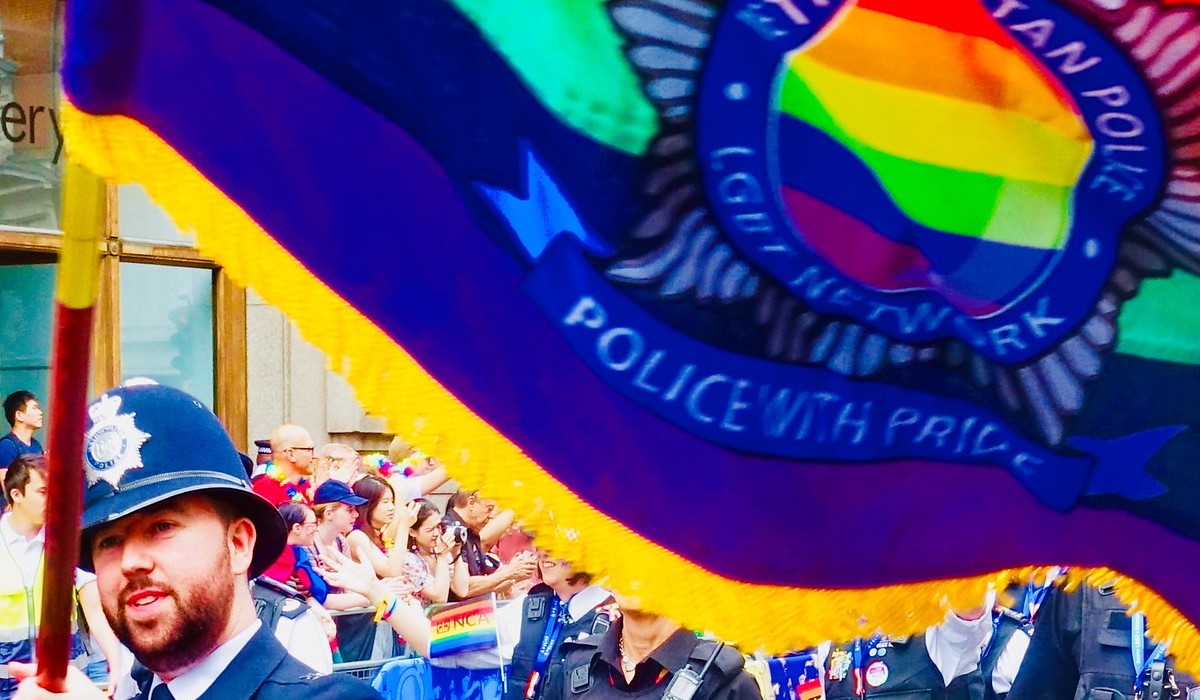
x: 647, y: 656
x: 564, y: 607
x: 1012, y: 629
x: 941, y: 664
x: 1087, y: 647
x: 174, y: 535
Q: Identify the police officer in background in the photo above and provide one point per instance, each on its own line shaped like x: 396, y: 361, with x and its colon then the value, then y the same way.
x: 941, y: 664
x: 1087, y: 647
x: 174, y: 534
x: 1012, y: 629
x: 649, y: 656
x: 563, y: 608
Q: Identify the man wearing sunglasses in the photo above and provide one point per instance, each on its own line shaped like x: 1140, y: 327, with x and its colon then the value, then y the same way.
x: 287, y: 478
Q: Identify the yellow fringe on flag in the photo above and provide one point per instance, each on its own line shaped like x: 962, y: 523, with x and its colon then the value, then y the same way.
x: 390, y: 383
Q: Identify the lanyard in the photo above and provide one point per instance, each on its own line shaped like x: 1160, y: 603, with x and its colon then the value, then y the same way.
x: 1034, y: 594
x: 1031, y: 602
x: 860, y: 688
x: 997, y: 615
x: 554, y: 626
x: 1137, y: 639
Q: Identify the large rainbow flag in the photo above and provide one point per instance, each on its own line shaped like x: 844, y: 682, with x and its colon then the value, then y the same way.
x: 792, y: 319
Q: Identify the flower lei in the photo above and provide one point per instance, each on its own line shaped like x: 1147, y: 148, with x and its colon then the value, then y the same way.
x: 281, y: 477
x: 413, y: 461
x: 385, y: 467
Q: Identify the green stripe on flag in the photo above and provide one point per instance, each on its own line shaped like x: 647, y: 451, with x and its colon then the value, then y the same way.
x: 1163, y: 321
x: 965, y: 203
x: 569, y: 54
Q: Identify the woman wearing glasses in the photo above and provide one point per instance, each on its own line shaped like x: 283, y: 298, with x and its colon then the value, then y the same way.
x: 295, y: 567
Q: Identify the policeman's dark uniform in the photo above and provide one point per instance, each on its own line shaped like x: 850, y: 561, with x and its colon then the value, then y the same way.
x: 537, y: 614
x: 263, y: 670
x: 899, y: 669
x: 592, y: 670
x: 147, y: 444
x: 1082, y: 650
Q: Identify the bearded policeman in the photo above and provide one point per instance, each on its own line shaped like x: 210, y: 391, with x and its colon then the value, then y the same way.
x: 174, y: 535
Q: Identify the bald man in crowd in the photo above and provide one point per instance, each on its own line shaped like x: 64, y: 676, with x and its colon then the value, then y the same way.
x: 287, y: 478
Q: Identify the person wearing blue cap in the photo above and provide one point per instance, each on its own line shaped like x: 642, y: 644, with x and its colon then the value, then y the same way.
x: 174, y: 534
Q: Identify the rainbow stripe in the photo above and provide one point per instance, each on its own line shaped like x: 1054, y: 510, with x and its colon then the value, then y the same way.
x: 463, y: 628
x: 963, y: 129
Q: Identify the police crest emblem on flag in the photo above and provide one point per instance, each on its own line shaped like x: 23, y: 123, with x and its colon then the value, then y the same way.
x: 846, y: 198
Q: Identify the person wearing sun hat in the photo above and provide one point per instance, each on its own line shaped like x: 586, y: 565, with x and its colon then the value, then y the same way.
x: 174, y: 535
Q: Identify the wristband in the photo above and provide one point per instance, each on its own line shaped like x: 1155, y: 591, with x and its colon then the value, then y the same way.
x: 391, y: 609
x: 381, y: 608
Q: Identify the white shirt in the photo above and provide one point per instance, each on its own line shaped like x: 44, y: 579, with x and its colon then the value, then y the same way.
x: 955, y: 645
x: 195, y: 681
x: 304, y: 638
x: 1013, y: 653
x: 28, y: 552
x: 1010, y: 661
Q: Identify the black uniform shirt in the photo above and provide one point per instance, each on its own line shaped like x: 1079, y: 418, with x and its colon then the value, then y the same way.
x: 652, y: 675
x: 1050, y: 670
x: 1081, y: 650
x: 654, y: 669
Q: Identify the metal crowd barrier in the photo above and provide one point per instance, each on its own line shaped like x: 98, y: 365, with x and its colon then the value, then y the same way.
x: 366, y: 669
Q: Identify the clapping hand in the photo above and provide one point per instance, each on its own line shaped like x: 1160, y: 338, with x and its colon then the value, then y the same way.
x: 354, y: 576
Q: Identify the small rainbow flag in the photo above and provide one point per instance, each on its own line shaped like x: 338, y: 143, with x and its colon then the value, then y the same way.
x: 463, y: 628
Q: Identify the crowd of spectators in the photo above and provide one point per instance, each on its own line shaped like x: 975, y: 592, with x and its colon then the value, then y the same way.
x: 368, y: 549
x: 367, y: 532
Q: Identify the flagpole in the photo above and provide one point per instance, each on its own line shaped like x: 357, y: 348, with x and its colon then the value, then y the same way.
x: 75, y: 296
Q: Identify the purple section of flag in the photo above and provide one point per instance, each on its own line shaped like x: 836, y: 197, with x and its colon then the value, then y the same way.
x: 371, y: 214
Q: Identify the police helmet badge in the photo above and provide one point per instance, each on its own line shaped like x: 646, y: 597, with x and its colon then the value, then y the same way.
x: 113, y: 445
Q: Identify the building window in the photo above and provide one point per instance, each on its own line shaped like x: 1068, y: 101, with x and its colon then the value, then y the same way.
x: 164, y: 311
x: 26, y: 320
x: 167, y: 326
x: 141, y: 219
x: 31, y: 152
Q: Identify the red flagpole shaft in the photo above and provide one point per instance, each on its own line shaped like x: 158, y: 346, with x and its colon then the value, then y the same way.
x: 78, y: 274
x: 64, y: 495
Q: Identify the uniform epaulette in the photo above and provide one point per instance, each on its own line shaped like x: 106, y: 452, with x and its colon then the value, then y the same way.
x: 729, y: 661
